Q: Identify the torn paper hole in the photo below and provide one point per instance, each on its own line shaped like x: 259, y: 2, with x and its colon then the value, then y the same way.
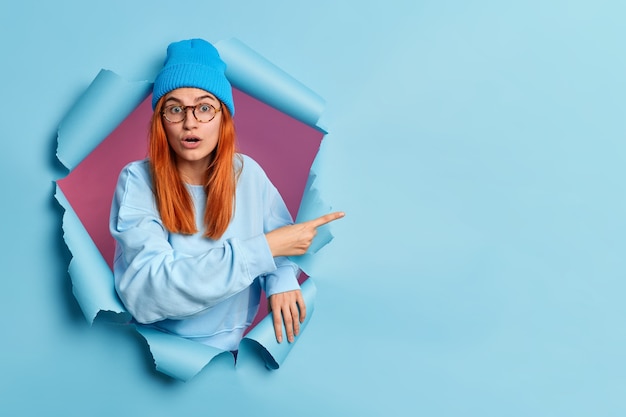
x: 107, y: 128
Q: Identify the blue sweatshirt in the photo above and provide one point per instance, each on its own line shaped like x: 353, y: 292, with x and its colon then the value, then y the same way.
x: 189, y: 285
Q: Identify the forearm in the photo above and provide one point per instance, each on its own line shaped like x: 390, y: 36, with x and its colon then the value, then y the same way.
x: 155, y: 285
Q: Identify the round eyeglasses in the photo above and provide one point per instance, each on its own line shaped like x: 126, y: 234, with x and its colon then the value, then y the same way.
x: 203, y: 113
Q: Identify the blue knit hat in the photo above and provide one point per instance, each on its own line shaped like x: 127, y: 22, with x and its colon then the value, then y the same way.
x: 193, y: 63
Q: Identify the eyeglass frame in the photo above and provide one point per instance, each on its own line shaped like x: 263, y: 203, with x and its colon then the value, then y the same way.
x: 193, y: 111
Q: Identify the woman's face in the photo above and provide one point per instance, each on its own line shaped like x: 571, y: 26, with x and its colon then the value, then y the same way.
x: 192, y: 141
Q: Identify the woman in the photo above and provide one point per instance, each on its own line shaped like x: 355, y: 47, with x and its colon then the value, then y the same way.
x: 199, y: 229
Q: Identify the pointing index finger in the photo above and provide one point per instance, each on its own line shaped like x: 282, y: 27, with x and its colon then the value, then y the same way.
x: 327, y: 218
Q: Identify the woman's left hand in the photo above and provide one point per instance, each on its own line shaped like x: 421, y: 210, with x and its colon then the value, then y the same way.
x: 287, y: 307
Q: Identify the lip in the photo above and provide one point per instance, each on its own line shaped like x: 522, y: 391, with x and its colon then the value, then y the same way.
x: 191, y: 142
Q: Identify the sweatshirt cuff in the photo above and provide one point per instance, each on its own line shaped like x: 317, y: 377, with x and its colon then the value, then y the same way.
x: 258, y: 257
x: 282, y: 280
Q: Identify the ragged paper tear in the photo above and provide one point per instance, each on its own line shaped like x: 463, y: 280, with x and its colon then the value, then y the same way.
x: 253, y: 74
x: 92, y: 278
x: 104, y: 105
x: 183, y: 358
x: 277, y: 125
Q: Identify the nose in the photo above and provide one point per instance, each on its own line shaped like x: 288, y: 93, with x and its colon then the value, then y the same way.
x: 190, y: 119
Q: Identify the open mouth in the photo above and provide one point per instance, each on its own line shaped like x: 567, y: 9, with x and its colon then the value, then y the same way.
x: 191, y: 140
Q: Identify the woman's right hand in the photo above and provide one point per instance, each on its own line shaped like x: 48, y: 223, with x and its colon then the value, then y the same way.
x: 295, y: 239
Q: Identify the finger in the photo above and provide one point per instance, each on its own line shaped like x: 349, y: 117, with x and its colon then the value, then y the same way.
x: 301, y: 307
x: 289, y: 323
x: 295, y: 320
x: 295, y: 312
x: 327, y: 218
x: 278, y: 325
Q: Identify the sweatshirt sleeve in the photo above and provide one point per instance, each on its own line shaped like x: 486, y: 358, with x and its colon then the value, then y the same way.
x: 285, y: 277
x: 156, y: 282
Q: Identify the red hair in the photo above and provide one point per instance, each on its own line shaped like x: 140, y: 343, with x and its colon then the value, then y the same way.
x: 172, y: 198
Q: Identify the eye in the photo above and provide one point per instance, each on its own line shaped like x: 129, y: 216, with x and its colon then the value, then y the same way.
x: 204, y: 108
x: 175, y: 109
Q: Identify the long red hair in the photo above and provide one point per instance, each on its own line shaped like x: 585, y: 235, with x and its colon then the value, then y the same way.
x: 172, y: 198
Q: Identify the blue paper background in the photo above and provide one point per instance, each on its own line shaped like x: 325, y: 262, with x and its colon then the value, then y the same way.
x: 478, y: 149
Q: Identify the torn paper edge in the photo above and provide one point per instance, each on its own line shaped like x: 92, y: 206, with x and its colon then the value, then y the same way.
x: 108, y: 100
x: 274, y: 353
x: 103, y: 106
x: 256, y: 76
x: 92, y: 279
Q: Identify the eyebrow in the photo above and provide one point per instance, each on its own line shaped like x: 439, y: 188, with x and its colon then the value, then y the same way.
x: 197, y: 99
